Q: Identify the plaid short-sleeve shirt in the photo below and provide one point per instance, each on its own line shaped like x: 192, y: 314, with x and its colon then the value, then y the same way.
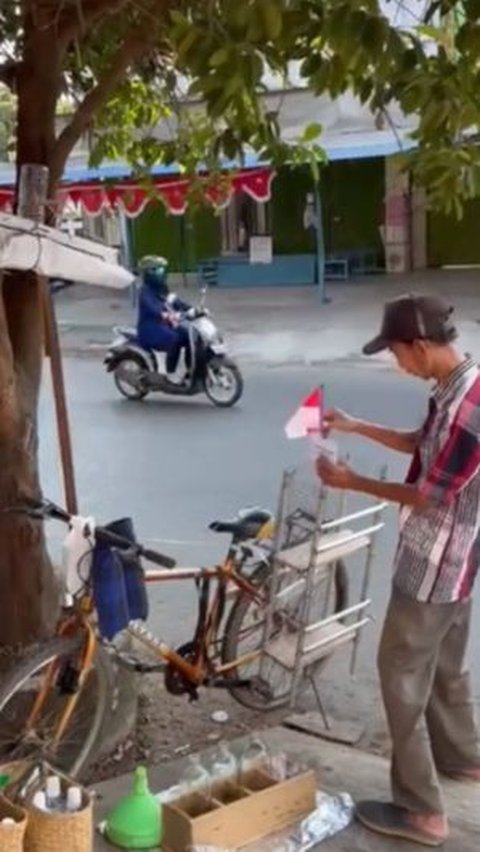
x: 438, y: 553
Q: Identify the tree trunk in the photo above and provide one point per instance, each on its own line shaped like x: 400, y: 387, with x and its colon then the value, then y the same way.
x: 29, y: 599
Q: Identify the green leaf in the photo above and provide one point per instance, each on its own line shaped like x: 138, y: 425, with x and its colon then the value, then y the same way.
x: 311, y: 132
x: 428, y: 31
x: 187, y: 43
x: 220, y: 57
x: 178, y: 18
x: 272, y: 18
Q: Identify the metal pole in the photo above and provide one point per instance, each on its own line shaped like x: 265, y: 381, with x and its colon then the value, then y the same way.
x: 32, y: 203
x: 320, y: 246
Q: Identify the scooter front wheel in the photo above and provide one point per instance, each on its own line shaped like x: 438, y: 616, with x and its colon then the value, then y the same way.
x: 127, y: 376
x: 223, y: 382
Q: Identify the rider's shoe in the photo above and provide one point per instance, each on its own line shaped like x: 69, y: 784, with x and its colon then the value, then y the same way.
x: 175, y: 378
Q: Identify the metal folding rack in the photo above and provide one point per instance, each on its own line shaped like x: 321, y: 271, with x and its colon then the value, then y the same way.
x: 307, y: 549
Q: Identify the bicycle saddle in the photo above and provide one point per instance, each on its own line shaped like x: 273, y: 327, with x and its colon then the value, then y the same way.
x: 246, y: 526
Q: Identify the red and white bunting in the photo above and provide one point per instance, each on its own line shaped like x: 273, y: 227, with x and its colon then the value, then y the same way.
x: 132, y: 198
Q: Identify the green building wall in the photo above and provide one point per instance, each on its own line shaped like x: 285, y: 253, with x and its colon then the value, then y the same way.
x: 352, y: 194
x: 183, y: 240
x: 352, y: 199
x: 453, y: 241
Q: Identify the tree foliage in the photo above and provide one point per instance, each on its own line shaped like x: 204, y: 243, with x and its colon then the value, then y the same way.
x: 7, y: 122
x: 129, y: 64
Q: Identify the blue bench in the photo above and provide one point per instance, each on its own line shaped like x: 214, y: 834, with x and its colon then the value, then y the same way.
x: 336, y: 268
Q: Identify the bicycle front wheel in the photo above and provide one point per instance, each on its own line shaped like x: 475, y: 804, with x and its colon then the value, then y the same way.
x: 34, y: 697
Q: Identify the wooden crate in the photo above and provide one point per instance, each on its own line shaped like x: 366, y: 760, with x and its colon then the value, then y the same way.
x: 238, y: 814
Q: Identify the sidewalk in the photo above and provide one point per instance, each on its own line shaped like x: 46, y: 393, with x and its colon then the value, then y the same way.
x: 280, y: 325
x: 338, y: 769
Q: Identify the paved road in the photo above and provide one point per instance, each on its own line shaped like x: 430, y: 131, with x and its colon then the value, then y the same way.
x: 177, y: 465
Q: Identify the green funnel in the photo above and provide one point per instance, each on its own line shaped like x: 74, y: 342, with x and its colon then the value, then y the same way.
x: 136, y: 822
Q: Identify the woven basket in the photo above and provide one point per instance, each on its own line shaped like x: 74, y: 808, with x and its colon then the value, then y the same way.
x: 11, y: 836
x: 60, y: 832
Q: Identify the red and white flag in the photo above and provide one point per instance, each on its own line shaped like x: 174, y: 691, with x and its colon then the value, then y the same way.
x: 308, y: 418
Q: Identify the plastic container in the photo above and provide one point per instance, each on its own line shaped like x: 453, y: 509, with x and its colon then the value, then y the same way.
x: 53, y: 793
x: 77, y: 553
x: 39, y: 801
x: 136, y: 822
x: 74, y: 799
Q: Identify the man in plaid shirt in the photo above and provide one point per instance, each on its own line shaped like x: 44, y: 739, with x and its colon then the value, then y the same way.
x: 425, y: 683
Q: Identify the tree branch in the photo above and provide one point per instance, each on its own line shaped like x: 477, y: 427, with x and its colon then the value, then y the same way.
x: 8, y: 74
x: 87, y: 13
x: 135, y: 45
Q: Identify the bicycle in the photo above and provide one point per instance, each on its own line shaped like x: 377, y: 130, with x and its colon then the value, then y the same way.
x: 53, y: 703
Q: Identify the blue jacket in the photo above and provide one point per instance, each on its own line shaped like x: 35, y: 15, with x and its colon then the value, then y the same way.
x: 152, y: 330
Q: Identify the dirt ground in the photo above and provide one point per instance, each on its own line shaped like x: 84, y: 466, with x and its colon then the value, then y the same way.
x: 169, y: 727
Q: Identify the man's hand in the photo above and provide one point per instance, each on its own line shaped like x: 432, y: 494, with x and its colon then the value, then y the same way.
x: 335, y: 420
x: 335, y: 475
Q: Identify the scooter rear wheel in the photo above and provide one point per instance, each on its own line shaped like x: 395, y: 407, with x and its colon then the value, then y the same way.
x: 134, y: 365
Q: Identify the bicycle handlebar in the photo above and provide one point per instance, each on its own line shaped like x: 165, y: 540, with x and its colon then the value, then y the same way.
x: 47, y: 509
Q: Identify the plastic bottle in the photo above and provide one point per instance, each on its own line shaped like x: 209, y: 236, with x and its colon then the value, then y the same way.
x: 74, y: 799
x: 196, y: 779
x: 77, y: 553
x: 253, y: 756
x: 53, y: 793
x: 224, y: 765
x: 39, y: 800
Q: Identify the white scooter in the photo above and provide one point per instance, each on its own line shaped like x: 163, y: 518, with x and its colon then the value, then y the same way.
x: 138, y: 371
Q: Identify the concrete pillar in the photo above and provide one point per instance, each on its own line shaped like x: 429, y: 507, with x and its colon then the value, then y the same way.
x: 397, y: 229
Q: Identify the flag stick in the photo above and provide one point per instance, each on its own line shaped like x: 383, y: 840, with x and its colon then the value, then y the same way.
x: 321, y: 398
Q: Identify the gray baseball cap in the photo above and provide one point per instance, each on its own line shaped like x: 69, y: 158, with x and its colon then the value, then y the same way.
x: 413, y: 317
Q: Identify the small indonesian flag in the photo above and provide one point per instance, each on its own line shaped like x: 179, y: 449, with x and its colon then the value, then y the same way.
x: 308, y: 419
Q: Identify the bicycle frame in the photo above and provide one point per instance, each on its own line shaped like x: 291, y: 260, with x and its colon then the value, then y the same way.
x: 195, y: 673
x: 209, y: 622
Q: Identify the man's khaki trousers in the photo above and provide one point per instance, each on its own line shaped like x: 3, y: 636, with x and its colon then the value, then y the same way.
x: 428, y: 699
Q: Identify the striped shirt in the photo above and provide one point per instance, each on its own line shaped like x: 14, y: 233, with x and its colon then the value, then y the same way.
x: 439, y: 547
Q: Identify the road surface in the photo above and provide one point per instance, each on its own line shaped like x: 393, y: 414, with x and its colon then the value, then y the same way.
x: 177, y: 465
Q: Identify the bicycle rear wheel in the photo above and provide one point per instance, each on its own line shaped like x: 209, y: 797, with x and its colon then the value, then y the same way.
x: 19, y: 692
x: 245, y: 627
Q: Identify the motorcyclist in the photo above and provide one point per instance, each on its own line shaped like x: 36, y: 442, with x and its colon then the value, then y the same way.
x: 158, y: 323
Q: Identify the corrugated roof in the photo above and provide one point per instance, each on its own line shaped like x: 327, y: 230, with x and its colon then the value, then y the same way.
x: 357, y: 145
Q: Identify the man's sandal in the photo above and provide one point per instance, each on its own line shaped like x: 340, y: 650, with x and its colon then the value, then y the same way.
x: 393, y: 821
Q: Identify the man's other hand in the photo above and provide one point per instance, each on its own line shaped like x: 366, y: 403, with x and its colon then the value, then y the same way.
x: 335, y: 475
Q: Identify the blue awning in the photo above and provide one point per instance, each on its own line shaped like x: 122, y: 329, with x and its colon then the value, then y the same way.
x: 338, y: 146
